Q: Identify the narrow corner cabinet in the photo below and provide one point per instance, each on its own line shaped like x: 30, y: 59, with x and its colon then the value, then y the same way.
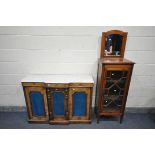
x: 114, y: 75
x: 58, y: 99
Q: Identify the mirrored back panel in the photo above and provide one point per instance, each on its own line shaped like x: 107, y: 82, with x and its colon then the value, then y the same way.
x: 113, y: 43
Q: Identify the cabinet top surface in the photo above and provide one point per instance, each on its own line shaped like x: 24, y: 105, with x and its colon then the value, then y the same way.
x: 59, y: 79
x: 115, y: 61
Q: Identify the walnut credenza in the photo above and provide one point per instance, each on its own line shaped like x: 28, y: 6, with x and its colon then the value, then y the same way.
x: 58, y: 99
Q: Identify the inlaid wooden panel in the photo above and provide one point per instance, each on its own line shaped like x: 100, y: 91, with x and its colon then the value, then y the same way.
x: 80, y: 104
x: 36, y: 102
x: 58, y: 105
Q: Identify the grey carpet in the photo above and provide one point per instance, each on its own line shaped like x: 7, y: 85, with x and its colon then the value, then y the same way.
x: 18, y: 120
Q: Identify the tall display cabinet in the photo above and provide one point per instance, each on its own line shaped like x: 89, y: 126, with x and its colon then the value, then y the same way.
x: 114, y: 75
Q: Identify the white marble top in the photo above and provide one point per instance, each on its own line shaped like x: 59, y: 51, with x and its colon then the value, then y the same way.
x: 59, y: 78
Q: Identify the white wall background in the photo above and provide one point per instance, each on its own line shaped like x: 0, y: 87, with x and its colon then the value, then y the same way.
x: 71, y: 50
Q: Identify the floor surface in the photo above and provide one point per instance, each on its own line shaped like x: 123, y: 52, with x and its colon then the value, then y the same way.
x: 18, y: 120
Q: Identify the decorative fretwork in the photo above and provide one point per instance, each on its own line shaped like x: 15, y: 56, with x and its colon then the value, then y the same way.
x: 114, y: 90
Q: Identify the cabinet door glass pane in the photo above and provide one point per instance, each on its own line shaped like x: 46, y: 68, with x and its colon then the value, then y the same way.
x: 113, y: 44
x: 79, y: 104
x: 58, y: 103
x: 114, y: 90
x: 37, y: 106
x: 112, y: 104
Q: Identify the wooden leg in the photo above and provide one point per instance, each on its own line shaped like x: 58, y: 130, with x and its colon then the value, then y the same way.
x: 121, y: 118
x: 98, y: 118
x: 95, y: 110
x: 97, y: 114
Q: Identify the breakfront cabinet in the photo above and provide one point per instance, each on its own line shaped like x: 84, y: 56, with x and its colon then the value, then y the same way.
x: 114, y: 75
x: 58, y: 99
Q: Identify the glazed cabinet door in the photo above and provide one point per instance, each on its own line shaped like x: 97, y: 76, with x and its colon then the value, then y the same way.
x: 116, y: 81
x: 36, y: 102
x: 58, y: 105
x: 79, y: 104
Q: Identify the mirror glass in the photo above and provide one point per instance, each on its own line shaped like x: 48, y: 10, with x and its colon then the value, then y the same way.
x: 113, y: 45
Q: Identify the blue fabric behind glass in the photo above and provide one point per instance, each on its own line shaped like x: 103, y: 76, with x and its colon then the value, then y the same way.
x: 79, y: 104
x: 37, y: 104
x: 58, y: 103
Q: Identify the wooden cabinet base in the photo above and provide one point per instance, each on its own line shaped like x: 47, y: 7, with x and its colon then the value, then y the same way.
x: 37, y: 122
x: 80, y: 121
x: 62, y: 122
